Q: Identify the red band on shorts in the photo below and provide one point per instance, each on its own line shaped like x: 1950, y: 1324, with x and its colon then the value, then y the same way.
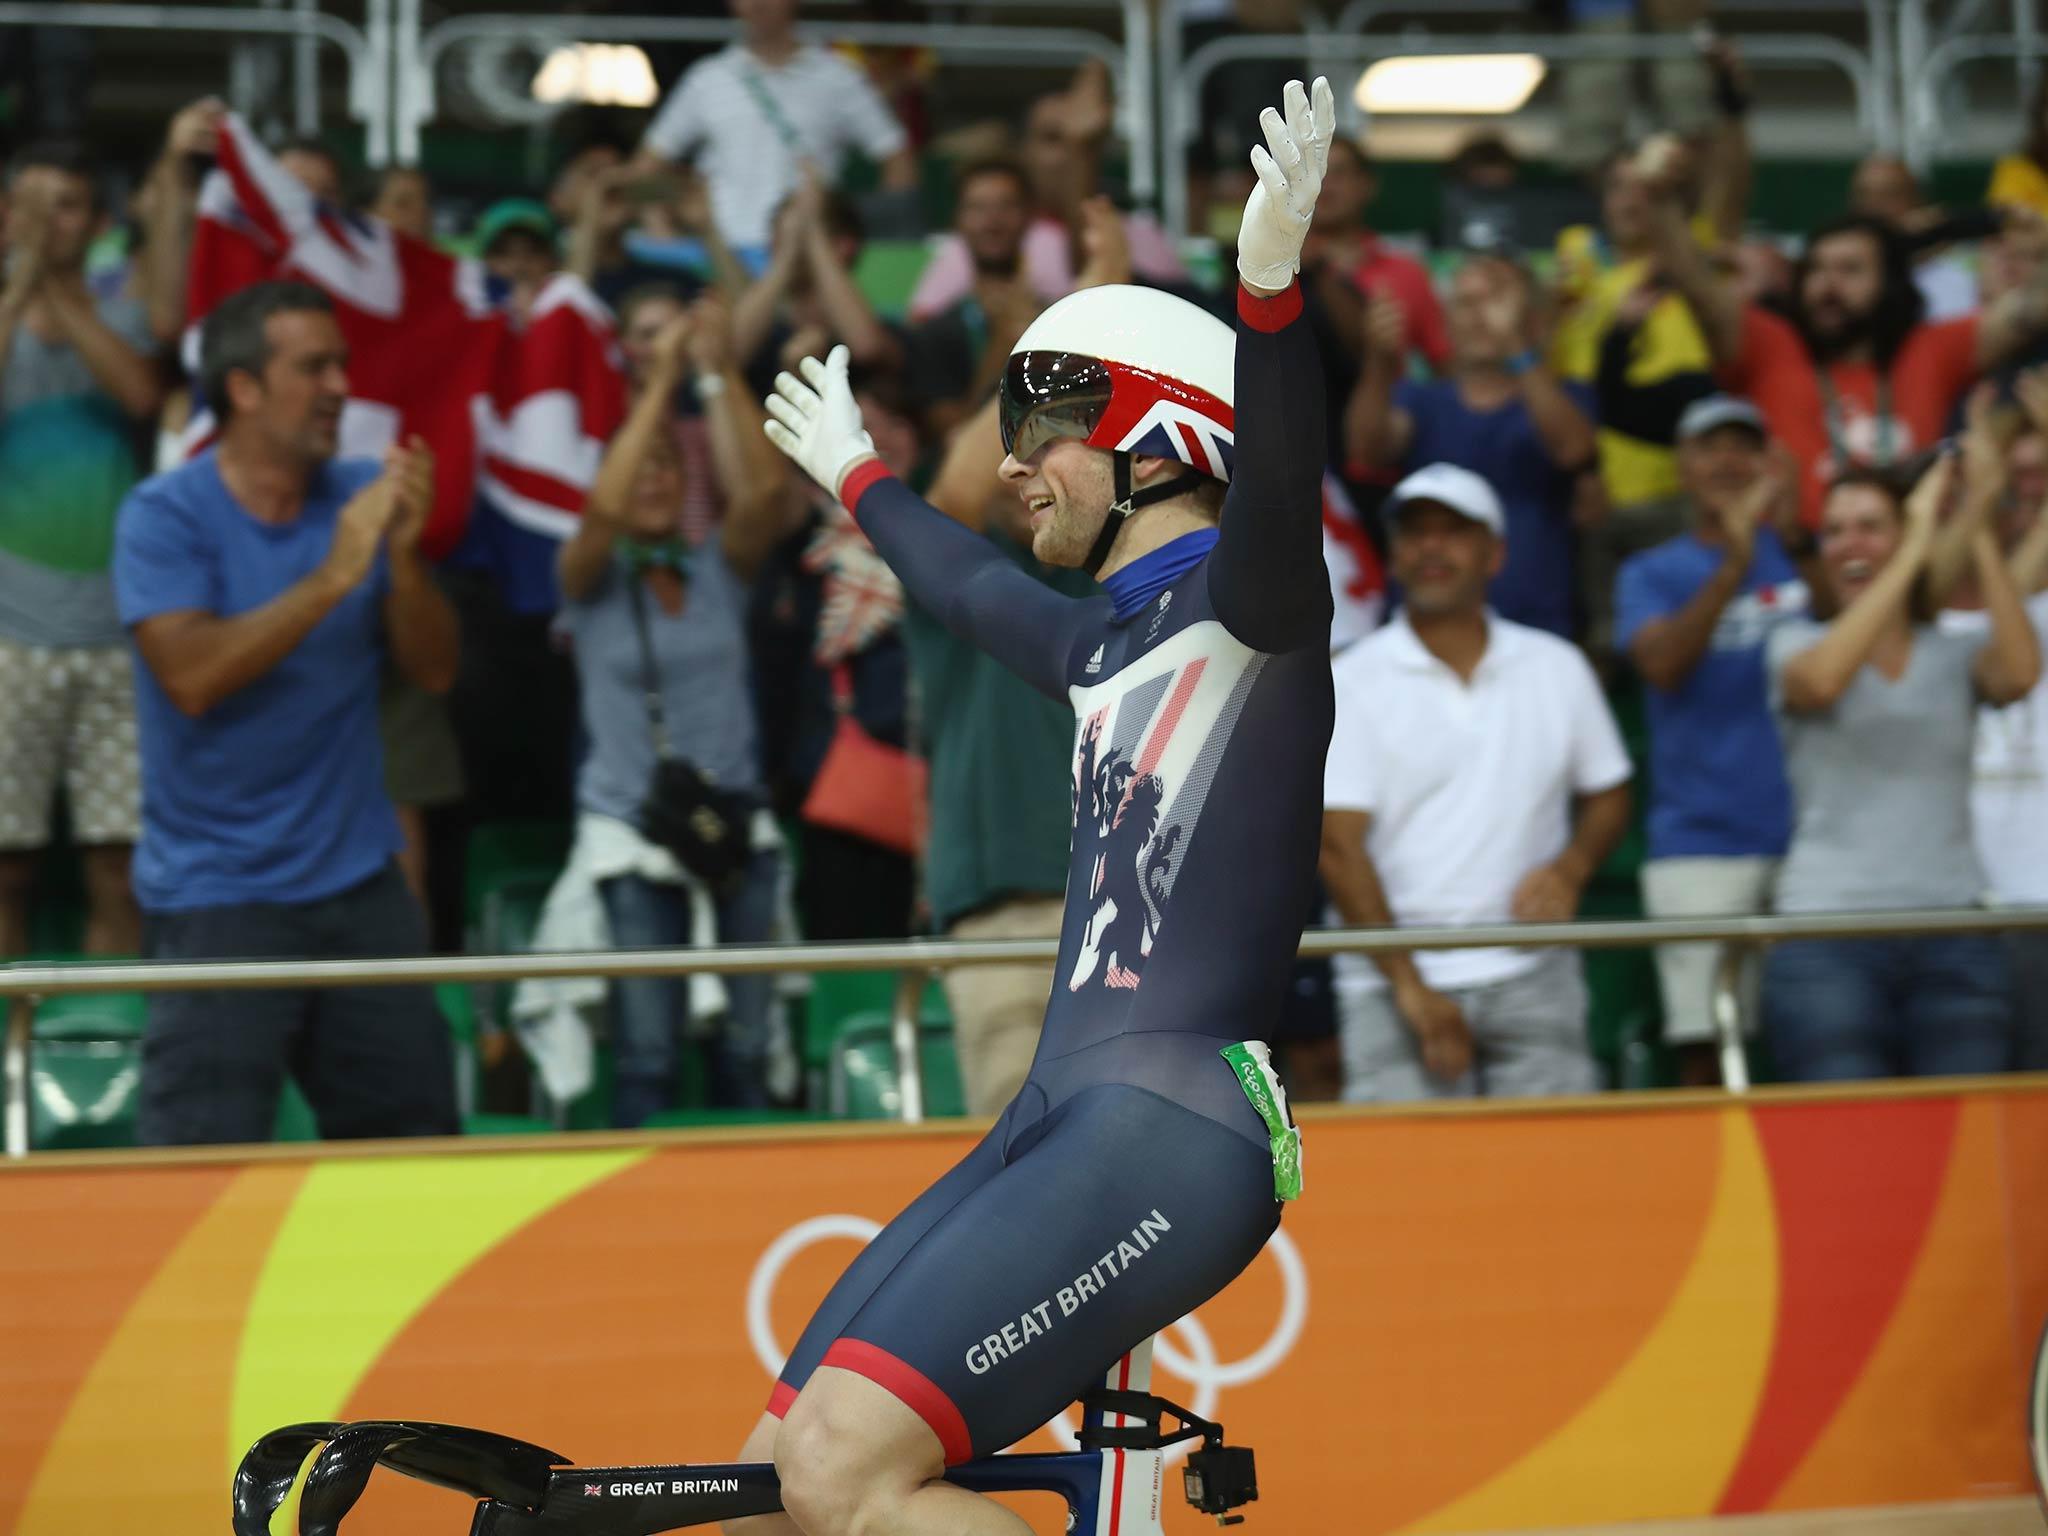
x: 1264, y: 314
x: 917, y: 1392
x: 780, y: 1399
x: 862, y: 477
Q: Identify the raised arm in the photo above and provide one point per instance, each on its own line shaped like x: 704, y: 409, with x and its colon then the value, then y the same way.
x: 1667, y: 649
x: 1812, y: 681
x: 1266, y: 575
x: 1730, y: 158
x: 419, y: 622
x: 1376, y: 430
x: 200, y: 658
x: 952, y: 572
x: 966, y: 483
x: 2010, y: 663
x: 170, y: 212
x: 761, y: 502
x: 582, y: 561
x: 1715, y: 306
x: 853, y: 318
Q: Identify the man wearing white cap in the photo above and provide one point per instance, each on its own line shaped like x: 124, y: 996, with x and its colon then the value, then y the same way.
x: 1692, y: 614
x: 1474, y: 776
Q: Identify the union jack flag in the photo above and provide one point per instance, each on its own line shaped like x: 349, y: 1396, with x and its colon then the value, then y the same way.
x: 518, y: 413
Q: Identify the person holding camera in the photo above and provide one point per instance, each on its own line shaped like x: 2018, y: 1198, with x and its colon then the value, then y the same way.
x: 672, y: 822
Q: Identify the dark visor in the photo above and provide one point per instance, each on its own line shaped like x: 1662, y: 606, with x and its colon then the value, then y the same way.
x: 1048, y: 395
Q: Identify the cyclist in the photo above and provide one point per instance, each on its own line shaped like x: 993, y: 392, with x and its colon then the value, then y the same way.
x: 1143, y: 1163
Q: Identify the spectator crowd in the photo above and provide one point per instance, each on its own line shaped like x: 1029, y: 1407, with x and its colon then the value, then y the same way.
x: 1779, y: 500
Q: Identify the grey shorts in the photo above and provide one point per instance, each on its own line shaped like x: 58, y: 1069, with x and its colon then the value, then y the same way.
x: 1703, y: 887
x: 67, y: 716
x: 1528, y: 1040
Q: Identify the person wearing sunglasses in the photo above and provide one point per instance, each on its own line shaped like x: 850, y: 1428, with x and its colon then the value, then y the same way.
x: 1145, y: 1160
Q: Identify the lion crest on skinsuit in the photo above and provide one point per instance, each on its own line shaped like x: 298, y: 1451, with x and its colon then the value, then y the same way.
x: 1133, y: 863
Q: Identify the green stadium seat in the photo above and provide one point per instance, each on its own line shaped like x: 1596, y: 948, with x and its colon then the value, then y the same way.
x: 295, y: 1120
x: 503, y: 853
x: 1625, y: 1011
x: 862, y: 1080
x: 85, y: 1069
x: 507, y: 1125
x: 92, y: 1016
x: 82, y: 1092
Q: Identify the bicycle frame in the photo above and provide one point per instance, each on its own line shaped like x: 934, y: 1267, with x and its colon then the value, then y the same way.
x: 1112, y: 1486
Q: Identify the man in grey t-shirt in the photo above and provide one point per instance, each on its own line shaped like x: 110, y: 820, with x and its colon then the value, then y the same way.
x: 77, y: 377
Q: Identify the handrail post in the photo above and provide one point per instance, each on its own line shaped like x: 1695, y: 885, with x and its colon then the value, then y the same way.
x: 21, y: 1020
x: 1726, y: 1008
x: 903, y: 1039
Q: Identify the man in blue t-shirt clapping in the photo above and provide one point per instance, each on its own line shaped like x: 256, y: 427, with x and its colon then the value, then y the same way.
x: 261, y: 585
x: 1692, y: 614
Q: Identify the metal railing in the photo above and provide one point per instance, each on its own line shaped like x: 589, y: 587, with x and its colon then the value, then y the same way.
x: 1130, y: 61
x: 367, y: 52
x: 1183, y: 94
x: 1925, y: 139
x: 26, y: 985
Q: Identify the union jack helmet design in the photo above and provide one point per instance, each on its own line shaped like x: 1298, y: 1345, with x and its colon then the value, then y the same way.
x: 1124, y: 368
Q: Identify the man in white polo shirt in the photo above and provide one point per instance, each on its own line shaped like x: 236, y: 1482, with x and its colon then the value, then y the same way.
x: 751, y: 115
x: 1475, y: 776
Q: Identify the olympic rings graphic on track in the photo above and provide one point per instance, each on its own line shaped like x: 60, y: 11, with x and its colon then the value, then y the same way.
x: 1196, y: 1365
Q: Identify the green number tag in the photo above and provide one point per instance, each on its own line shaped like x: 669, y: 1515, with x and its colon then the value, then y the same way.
x: 1253, y: 1064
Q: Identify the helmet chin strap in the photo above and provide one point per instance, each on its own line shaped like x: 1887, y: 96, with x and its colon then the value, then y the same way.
x: 1128, y: 501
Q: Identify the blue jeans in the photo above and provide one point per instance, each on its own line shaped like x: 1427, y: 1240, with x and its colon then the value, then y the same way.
x: 1837, y: 1009
x: 650, y: 1013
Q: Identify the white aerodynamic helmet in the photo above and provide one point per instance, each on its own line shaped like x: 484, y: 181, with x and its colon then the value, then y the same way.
x: 1125, y: 368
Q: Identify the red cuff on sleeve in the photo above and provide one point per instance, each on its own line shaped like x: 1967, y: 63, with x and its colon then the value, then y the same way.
x: 1276, y: 313
x: 859, y: 481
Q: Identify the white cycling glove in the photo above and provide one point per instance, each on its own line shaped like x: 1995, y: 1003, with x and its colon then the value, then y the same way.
x: 817, y: 423
x: 1290, y: 169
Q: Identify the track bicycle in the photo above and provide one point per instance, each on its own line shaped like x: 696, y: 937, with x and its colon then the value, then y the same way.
x: 1112, y: 1485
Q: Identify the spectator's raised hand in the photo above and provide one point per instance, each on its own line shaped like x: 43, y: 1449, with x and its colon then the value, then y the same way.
x: 692, y: 205
x: 27, y: 240
x: 1505, y: 312
x: 359, y: 529
x: 1087, y: 108
x: 1983, y: 445
x: 1929, y: 498
x: 707, y: 340
x: 1723, y: 57
x: 668, y: 357
x: 1764, y: 499
x: 604, y: 205
x: 1440, y: 1029
x: 195, y: 131
x: 1105, y: 247
x: 2030, y: 388
x: 1780, y: 479
x: 1386, y: 330
x: 410, y: 471
x: 1636, y: 304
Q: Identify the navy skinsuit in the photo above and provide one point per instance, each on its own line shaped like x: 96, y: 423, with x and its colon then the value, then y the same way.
x: 1130, y: 1179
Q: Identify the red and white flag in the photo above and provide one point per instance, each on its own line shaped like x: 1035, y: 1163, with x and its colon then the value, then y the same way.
x: 517, y: 413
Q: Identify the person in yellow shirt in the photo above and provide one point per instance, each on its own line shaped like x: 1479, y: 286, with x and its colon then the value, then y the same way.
x: 1598, y: 272
x: 2020, y: 179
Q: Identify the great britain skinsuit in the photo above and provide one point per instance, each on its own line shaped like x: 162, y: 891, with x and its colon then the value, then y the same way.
x: 1131, y: 1178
